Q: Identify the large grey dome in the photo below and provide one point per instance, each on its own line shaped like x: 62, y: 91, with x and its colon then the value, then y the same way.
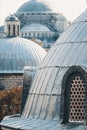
x: 34, y: 6
x: 15, y: 53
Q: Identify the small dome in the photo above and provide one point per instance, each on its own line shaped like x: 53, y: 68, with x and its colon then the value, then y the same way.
x: 15, y: 53
x: 34, y: 6
x: 35, y: 28
x: 11, y: 18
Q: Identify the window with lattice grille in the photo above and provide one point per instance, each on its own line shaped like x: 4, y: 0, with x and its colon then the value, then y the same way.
x: 74, y: 98
x: 77, y: 100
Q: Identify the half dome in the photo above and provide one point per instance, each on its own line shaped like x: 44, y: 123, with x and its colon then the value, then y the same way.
x: 15, y: 53
x: 34, y: 6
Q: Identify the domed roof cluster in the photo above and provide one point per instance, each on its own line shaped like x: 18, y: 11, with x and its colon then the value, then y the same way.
x: 15, y: 53
x: 34, y: 6
x: 46, y: 97
x: 11, y: 18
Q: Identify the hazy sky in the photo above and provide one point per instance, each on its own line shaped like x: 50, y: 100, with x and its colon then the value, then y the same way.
x: 69, y: 8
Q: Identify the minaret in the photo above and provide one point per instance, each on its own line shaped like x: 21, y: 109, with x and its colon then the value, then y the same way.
x: 12, y: 26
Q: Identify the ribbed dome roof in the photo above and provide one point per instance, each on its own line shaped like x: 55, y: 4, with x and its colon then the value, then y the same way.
x: 35, y: 28
x: 69, y: 50
x: 34, y: 6
x: 71, y: 46
x: 11, y: 18
x: 15, y: 53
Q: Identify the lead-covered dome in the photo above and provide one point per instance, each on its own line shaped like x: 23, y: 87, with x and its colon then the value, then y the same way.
x: 34, y: 6
x: 11, y: 18
x: 34, y: 27
x: 15, y: 53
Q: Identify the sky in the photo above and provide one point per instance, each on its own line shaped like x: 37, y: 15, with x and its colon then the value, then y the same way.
x: 69, y: 8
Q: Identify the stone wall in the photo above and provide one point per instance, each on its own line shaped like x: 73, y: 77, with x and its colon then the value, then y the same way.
x: 10, y: 102
x: 10, y: 80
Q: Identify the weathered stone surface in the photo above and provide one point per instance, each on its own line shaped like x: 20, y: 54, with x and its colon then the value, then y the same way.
x: 11, y: 80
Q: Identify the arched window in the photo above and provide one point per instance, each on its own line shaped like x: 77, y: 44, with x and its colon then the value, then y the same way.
x: 29, y: 34
x: 73, y: 101
x: 18, y: 30
x: 9, y: 30
x: 33, y: 35
x: 14, y: 30
x: 25, y: 34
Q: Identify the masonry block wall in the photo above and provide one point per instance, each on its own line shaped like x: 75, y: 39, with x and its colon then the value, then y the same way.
x: 10, y: 80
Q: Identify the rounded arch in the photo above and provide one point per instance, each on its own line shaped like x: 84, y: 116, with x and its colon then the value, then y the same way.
x: 73, y: 95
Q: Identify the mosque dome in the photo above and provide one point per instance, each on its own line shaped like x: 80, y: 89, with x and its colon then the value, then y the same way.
x: 16, y: 52
x: 11, y: 18
x: 35, y: 27
x: 34, y: 6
